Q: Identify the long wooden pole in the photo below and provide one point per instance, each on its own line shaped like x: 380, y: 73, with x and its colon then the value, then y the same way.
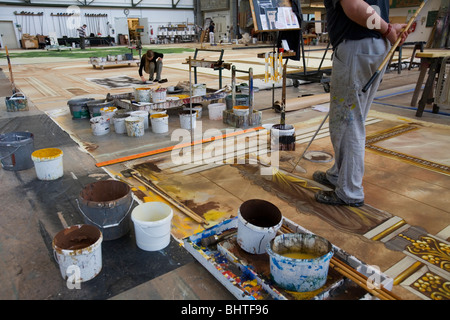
x: 10, y: 71
x: 393, y: 48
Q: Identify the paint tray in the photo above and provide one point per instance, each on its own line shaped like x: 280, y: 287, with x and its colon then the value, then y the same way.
x: 247, y: 276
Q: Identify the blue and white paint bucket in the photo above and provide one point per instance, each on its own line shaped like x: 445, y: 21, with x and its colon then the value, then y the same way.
x: 299, y: 261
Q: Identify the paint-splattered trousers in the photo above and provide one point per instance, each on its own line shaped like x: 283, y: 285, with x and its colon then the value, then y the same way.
x: 354, y: 62
x: 155, y: 66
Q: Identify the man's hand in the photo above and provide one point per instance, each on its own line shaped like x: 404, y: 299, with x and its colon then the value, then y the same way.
x: 398, y: 31
x: 142, y: 78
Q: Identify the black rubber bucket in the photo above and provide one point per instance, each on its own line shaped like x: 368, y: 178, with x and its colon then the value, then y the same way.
x: 107, y: 205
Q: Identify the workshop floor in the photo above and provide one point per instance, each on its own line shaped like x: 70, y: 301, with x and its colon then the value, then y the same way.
x: 410, y: 193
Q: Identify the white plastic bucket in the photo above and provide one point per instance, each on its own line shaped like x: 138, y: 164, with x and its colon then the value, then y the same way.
x: 143, y: 115
x: 159, y: 95
x: 135, y: 126
x: 100, y: 125
x: 216, y: 111
x: 152, y: 222
x: 78, y: 251
x: 119, y: 123
x: 48, y: 163
x: 199, y: 89
x: 258, y: 223
x: 197, y: 109
x: 187, y: 119
x: 160, y: 122
x: 142, y: 94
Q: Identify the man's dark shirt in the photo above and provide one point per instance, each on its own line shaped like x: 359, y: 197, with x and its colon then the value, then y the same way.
x: 340, y: 27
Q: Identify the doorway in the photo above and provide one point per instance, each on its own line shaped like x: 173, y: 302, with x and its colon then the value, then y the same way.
x: 8, y: 35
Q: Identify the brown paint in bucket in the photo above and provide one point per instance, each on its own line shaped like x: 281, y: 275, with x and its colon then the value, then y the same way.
x: 76, y: 237
x: 78, y: 251
x: 258, y: 223
x: 260, y: 213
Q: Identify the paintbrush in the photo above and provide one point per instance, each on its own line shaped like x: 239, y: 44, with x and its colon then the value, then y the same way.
x: 208, y: 241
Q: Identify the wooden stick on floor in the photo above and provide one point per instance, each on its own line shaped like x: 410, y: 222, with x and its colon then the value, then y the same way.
x: 154, y: 188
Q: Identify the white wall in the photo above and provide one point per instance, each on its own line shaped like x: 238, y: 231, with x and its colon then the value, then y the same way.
x: 422, y: 33
x: 65, y: 27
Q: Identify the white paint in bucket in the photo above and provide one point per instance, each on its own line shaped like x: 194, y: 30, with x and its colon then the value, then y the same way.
x: 143, y: 114
x: 135, y: 126
x: 160, y: 122
x: 82, y: 262
x: 258, y: 223
x: 216, y: 111
x: 152, y: 223
x: 100, y: 125
x: 299, y: 275
x: 48, y: 163
x: 186, y: 118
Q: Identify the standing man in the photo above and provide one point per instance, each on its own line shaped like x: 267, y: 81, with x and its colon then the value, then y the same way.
x: 211, y: 33
x: 150, y: 62
x: 82, y: 33
x: 361, y: 38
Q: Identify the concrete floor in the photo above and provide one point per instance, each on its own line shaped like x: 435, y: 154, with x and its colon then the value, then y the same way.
x: 34, y: 211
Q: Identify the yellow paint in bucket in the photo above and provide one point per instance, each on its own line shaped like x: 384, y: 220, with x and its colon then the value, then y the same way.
x: 241, y: 110
x: 48, y: 163
x: 160, y: 122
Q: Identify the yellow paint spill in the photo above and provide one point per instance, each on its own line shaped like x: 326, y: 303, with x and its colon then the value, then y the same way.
x: 214, y: 215
x: 142, y: 188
